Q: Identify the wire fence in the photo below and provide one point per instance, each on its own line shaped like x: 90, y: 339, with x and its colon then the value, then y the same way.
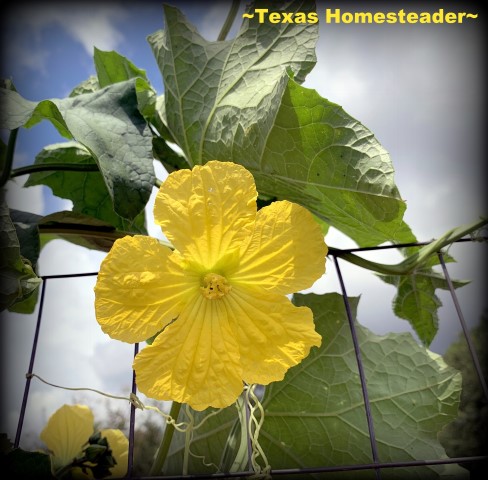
x: 377, y: 466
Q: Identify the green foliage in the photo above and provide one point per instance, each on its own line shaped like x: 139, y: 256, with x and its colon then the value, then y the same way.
x: 221, y: 97
x: 316, y: 415
x: 417, y: 302
x: 18, y: 278
x: 109, y: 125
x: 17, y: 463
x: 241, y: 100
x: 87, y: 190
x: 298, y: 145
x: 467, y: 434
x: 113, y: 68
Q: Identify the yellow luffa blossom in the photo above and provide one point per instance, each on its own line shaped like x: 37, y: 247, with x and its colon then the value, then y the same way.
x: 67, y: 433
x: 220, y: 296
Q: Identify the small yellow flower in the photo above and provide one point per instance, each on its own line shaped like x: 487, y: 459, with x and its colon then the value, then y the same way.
x: 220, y: 296
x: 67, y: 433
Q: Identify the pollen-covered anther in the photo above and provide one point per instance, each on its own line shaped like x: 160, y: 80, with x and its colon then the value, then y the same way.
x: 214, y: 286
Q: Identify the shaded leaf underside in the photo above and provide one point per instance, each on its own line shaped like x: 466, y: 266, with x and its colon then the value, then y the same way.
x: 235, y: 101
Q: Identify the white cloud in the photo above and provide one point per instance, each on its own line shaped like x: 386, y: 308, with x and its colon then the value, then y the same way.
x: 92, y: 29
x: 25, y: 199
x: 210, y: 25
x: 94, y: 26
x: 34, y: 58
x: 422, y: 106
x: 112, y: 361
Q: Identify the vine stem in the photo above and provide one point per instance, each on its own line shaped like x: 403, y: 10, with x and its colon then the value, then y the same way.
x: 9, y: 157
x: 416, y: 260
x: 48, y: 167
x: 163, y: 449
x: 58, y: 167
x: 229, y: 21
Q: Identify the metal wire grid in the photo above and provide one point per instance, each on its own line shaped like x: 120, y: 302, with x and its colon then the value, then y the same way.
x: 377, y: 465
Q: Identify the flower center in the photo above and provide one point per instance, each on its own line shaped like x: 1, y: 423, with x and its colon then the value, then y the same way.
x: 214, y: 286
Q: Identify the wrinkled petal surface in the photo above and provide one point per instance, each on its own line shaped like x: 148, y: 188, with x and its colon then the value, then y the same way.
x: 195, y: 360
x: 119, y: 444
x: 206, y: 212
x: 273, y: 334
x: 285, y: 252
x: 140, y: 289
x: 67, y: 430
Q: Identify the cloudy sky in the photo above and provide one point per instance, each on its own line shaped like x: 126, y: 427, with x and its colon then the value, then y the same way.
x: 417, y: 87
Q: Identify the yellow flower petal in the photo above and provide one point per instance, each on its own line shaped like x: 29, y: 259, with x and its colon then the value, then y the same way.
x: 207, y: 211
x: 119, y: 444
x: 272, y: 333
x: 67, y: 430
x: 285, y: 252
x: 195, y: 360
x: 140, y: 289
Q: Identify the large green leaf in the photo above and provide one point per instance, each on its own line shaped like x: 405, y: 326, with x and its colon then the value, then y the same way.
x: 87, y: 189
x: 235, y: 101
x: 218, y: 90
x: 108, y: 123
x: 18, y: 280
x: 318, y: 155
x: 316, y: 417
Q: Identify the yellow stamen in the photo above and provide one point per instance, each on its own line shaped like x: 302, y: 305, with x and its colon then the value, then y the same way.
x: 214, y: 286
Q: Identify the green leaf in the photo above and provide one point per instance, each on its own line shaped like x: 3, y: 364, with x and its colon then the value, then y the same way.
x: 235, y: 101
x: 319, y: 156
x: 28, y: 465
x: 113, y: 68
x: 25, y: 224
x: 109, y: 125
x: 216, y: 90
x: 208, y: 442
x: 416, y: 300
x: 26, y: 227
x: 18, y: 279
x: 26, y: 305
x: 464, y: 437
x: 316, y: 415
x: 89, y: 85
x: 87, y: 190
